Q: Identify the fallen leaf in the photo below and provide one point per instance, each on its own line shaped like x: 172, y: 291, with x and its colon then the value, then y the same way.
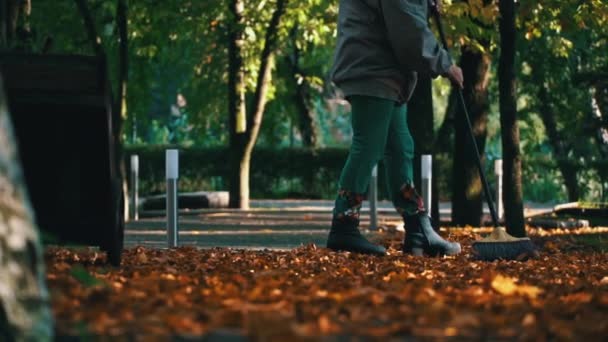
x: 508, y: 287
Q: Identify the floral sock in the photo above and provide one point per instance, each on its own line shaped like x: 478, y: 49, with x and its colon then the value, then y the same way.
x: 408, y: 202
x: 348, y: 205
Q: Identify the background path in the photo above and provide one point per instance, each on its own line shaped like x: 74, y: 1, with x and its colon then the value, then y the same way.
x: 272, y: 224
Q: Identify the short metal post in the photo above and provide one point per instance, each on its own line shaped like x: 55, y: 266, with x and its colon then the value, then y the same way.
x: 426, y: 175
x: 172, y: 170
x: 373, y: 199
x: 134, y: 187
x: 498, y: 172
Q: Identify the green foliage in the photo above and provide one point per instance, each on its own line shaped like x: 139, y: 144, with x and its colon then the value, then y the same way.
x: 472, y: 24
x: 180, y: 47
x: 306, y: 173
x: 275, y: 173
x: 558, y: 40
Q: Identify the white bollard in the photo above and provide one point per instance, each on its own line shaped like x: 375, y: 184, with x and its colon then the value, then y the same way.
x: 426, y: 176
x: 134, y: 187
x: 373, y: 199
x: 172, y: 170
x: 499, y: 203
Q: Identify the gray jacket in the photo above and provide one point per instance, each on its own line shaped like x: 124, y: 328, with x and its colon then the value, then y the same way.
x: 382, y: 44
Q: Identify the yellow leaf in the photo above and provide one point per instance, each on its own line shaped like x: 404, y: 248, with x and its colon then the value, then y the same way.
x: 507, y: 286
x: 504, y: 285
x: 530, y: 291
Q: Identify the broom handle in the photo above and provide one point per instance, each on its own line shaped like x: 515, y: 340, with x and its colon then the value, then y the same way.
x: 482, y: 174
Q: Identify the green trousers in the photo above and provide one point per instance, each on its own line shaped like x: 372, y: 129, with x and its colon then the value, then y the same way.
x: 380, y: 132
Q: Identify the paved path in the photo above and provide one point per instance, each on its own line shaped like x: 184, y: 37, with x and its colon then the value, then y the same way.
x: 272, y: 224
x: 257, y: 228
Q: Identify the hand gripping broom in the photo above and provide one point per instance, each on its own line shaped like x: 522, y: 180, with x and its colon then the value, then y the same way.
x: 499, y: 244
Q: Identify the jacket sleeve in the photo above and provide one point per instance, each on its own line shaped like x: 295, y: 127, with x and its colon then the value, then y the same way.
x: 411, y: 38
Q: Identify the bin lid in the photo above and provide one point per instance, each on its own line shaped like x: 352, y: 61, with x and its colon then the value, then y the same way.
x: 46, y: 78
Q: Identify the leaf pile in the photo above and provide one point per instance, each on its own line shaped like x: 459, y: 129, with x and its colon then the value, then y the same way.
x: 310, y: 292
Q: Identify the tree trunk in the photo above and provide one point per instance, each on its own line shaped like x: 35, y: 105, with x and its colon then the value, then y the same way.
x: 239, y: 177
x: 560, y: 149
x: 599, y: 107
x: 308, y: 126
x: 420, y: 121
x: 4, y: 20
x: 601, y: 136
x: 243, y: 135
x: 123, y: 63
x: 443, y: 141
x: 303, y: 99
x: 89, y: 25
x: 467, y: 195
x: 13, y: 13
x: 121, y: 111
x: 512, y: 191
x: 24, y: 301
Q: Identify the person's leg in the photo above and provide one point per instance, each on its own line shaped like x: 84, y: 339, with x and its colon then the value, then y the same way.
x: 398, y: 161
x: 370, y: 121
x: 371, y: 117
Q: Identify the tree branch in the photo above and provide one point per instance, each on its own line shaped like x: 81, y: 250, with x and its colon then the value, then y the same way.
x: 266, y: 62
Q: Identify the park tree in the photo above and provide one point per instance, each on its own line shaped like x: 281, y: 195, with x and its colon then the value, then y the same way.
x: 474, y: 26
x: 467, y: 197
x: 562, y: 47
x: 512, y: 191
x: 251, y: 69
x: 304, y: 92
x: 181, y: 47
x: 472, y: 32
x: 25, y: 313
x: 295, y: 115
x: 245, y: 121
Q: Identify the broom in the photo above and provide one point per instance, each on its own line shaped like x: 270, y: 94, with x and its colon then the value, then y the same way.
x: 499, y: 244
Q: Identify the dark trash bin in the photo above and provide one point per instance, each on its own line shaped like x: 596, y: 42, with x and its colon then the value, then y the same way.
x: 62, y: 114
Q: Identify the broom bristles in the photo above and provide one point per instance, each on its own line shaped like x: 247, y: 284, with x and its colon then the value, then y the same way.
x: 504, y: 250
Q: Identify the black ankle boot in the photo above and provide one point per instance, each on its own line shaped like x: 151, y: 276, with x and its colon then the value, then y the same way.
x: 344, y: 234
x: 421, y: 238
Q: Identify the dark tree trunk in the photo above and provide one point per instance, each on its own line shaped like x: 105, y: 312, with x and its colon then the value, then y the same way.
x: 512, y: 191
x: 120, y: 113
x: 4, y: 20
x: 14, y: 18
x: 467, y: 196
x: 307, y: 113
x: 245, y: 125
x: 123, y: 62
x: 442, y: 144
x: 89, y: 25
x: 558, y: 144
x: 601, y: 116
x: 239, y: 178
x: 303, y: 96
x: 420, y: 121
x: 303, y: 100
x: 25, y: 313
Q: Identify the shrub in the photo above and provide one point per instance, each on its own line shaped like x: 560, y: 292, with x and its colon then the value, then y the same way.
x: 313, y: 174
